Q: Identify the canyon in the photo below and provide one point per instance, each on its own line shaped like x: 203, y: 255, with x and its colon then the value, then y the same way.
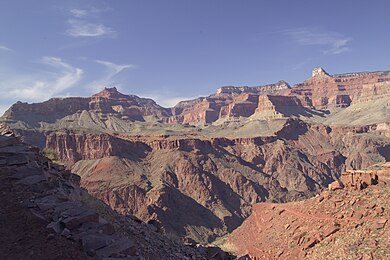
x: 198, y: 168
x: 47, y: 215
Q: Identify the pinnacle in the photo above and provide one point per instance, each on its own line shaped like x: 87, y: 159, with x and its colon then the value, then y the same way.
x: 319, y: 72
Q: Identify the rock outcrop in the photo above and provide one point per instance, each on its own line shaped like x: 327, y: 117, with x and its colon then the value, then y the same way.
x: 271, y: 107
x: 337, y: 224
x: 361, y: 179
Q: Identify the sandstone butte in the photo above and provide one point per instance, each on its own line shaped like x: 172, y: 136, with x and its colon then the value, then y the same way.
x: 199, y: 169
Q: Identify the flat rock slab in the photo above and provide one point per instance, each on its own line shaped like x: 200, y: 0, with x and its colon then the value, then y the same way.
x: 55, y: 227
x: 31, y: 180
x: 19, y: 159
x: 14, y: 149
x: 95, y: 241
x: 74, y: 211
x: 106, y: 228
x: 64, y: 206
x: 24, y: 171
x: 47, y: 202
x: 331, y: 231
x: 123, y: 245
x: 86, y: 216
x: 7, y: 141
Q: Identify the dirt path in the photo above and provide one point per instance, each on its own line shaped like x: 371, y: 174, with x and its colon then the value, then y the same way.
x: 312, y: 216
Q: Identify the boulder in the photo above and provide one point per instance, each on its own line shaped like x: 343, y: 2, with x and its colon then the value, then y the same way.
x: 95, y: 241
x: 55, y: 226
x: 336, y: 185
x: 310, y: 243
x: 331, y: 230
x: 76, y: 220
x: 123, y: 245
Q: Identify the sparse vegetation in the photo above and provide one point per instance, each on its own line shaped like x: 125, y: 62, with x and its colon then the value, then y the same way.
x: 50, y: 153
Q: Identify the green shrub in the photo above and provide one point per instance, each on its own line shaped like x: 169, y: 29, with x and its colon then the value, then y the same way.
x: 50, y: 153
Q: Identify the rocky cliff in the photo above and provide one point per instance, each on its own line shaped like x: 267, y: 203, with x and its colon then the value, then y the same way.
x: 323, y: 90
x: 164, y: 178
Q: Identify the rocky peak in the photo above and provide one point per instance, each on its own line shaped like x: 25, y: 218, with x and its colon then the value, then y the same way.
x: 110, y: 93
x: 319, y: 72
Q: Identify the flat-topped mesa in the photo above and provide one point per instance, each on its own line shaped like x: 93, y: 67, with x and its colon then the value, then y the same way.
x: 324, y: 91
x: 271, y: 88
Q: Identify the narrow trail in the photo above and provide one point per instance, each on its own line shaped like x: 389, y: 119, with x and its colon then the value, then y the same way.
x: 311, y: 216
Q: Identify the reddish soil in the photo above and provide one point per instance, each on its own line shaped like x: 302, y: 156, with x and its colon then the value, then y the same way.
x: 341, y: 224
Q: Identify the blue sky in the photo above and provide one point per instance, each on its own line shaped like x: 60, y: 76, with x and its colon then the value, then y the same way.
x: 179, y: 49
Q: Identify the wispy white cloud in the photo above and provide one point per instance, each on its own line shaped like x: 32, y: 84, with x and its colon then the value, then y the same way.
x: 81, y: 28
x: 91, y: 11
x: 115, y: 68
x: 78, y: 13
x: 86, y: 23
x: 4, y: 48
x: 44, y: 86
x: 332, y: 42
x: 108, y: 78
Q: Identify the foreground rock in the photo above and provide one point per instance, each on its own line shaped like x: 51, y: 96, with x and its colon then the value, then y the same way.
x: 46, y: 215
x: 343, y: 223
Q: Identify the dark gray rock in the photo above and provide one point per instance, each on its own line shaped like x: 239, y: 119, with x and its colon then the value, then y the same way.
x: 75, y: 221
x: 122, y: 245
x: 66, y: 205
x: 66, y: 232
x: 25, y: 171
x: 19, y: 159
x: 31, y: 180
x: 56, y: 227
x: 6, y: 141
x: 95, y: 241
x: 105, y: 228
